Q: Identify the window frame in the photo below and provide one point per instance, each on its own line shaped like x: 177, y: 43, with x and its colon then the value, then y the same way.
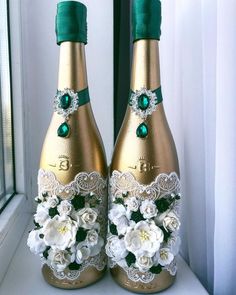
x: 16, y: 215
x: 6, y: 196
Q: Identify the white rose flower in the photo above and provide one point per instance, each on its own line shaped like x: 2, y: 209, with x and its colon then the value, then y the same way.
x: 115, y: 248
x: 132, y: 204
x: 148, y: 209
x: 160, y: 218
x: 122, y: 225
x: 144, y: 262
x: 164, y: 256
x: 174, y: 244
x: 59, y: 259
x: 35, y: 242
x: 145, y: 236
x: 64, y: 208
x: 60, y: 232
x: 171, y: 222
x: 87, y: 217
x: 52, y: 202
x: 95, y: 250
x: 116, y: 212
x: 41, y: 215
x: 92, y: 237
x: 82, y: 253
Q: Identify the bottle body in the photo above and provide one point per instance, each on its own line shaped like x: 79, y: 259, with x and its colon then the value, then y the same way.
x: 139, y: 167
x: 75, y: 167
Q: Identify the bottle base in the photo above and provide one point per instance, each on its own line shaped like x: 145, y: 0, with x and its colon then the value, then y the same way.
x: 162, y: 281
x: 88, y: 277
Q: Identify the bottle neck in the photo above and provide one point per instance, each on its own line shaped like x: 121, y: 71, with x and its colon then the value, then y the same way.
x: 145, y: 66
x: 72, y: 67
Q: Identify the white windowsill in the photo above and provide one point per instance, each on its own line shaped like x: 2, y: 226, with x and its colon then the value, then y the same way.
x: 24, y: 277
x: 13, y: 221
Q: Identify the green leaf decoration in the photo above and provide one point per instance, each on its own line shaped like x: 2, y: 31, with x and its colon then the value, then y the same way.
x: 36, y: 224
x: 163, y: 204
x: 78, y: 202
x: 45, y: 253
x: 130, y: 258
x: 156, y: 269
x: 74, y: 266
x: 119, y: 201
x: 166, y: 234
x: 81, y: 234
x: 177, y: 197
x: 137, y: 216
x: 52, y: 212
x: 113, y: 229
x: 44, y: 195
x: 38, y: 201
x: 41, y: 236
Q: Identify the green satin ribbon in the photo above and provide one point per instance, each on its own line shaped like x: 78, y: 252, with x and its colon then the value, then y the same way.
x: 83, y: 96
x: 158, y: 93
x: 71, y: 22
x: 146, y: 19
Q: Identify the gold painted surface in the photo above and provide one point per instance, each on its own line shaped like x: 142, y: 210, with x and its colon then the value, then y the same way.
x: 162, y: 282
x: 148, y: 157
x: 82, y: 151
x: 88, y: 277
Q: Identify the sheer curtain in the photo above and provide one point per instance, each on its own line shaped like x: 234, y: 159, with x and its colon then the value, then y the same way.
x: 198, y: 58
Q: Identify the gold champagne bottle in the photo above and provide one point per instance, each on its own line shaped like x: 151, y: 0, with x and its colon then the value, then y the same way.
x: 71, y: 215
x: 144, y: 174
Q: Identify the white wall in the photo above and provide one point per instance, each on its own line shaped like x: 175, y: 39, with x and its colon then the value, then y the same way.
x: 40, y: 68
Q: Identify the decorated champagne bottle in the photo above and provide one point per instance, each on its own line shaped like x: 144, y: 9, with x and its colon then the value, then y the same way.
x: 143, y: 240
x: 70, y: 221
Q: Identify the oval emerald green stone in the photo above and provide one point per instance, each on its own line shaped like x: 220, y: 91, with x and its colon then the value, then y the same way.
x: 65, y: 101
x: 142, y: 130
x: 143, y: 102
x: 63, y: 130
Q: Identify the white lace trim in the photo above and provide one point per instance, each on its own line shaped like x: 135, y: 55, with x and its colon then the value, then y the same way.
x: 99, y: 262
x: 122, y: 183
x: 164, y: 184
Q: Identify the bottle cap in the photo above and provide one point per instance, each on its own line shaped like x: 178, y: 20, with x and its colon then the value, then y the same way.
x: 146, y: 19
x: 71, y: 22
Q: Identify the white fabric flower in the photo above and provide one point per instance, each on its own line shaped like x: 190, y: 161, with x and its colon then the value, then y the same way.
x: 144, y: 262
x: 52, y: 202
x: 171, y: 222
x: 132, y: 204
x: 64, y: 208
x: 145, y: 236
x: 35, y: 242
x: 122, y: 225
x: 60, y: 232
x: 116, y: 212
x: 148, y: 209
x: 173, y: 244
x: 115, y: 248
x: 164, y: 256
x: 92, y: 237
x: 87, y: 217
x: 59, y: 259
x: 160, y: 217
x: 82, y: 252
x: 41, y: 215
x: 95, y: 250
